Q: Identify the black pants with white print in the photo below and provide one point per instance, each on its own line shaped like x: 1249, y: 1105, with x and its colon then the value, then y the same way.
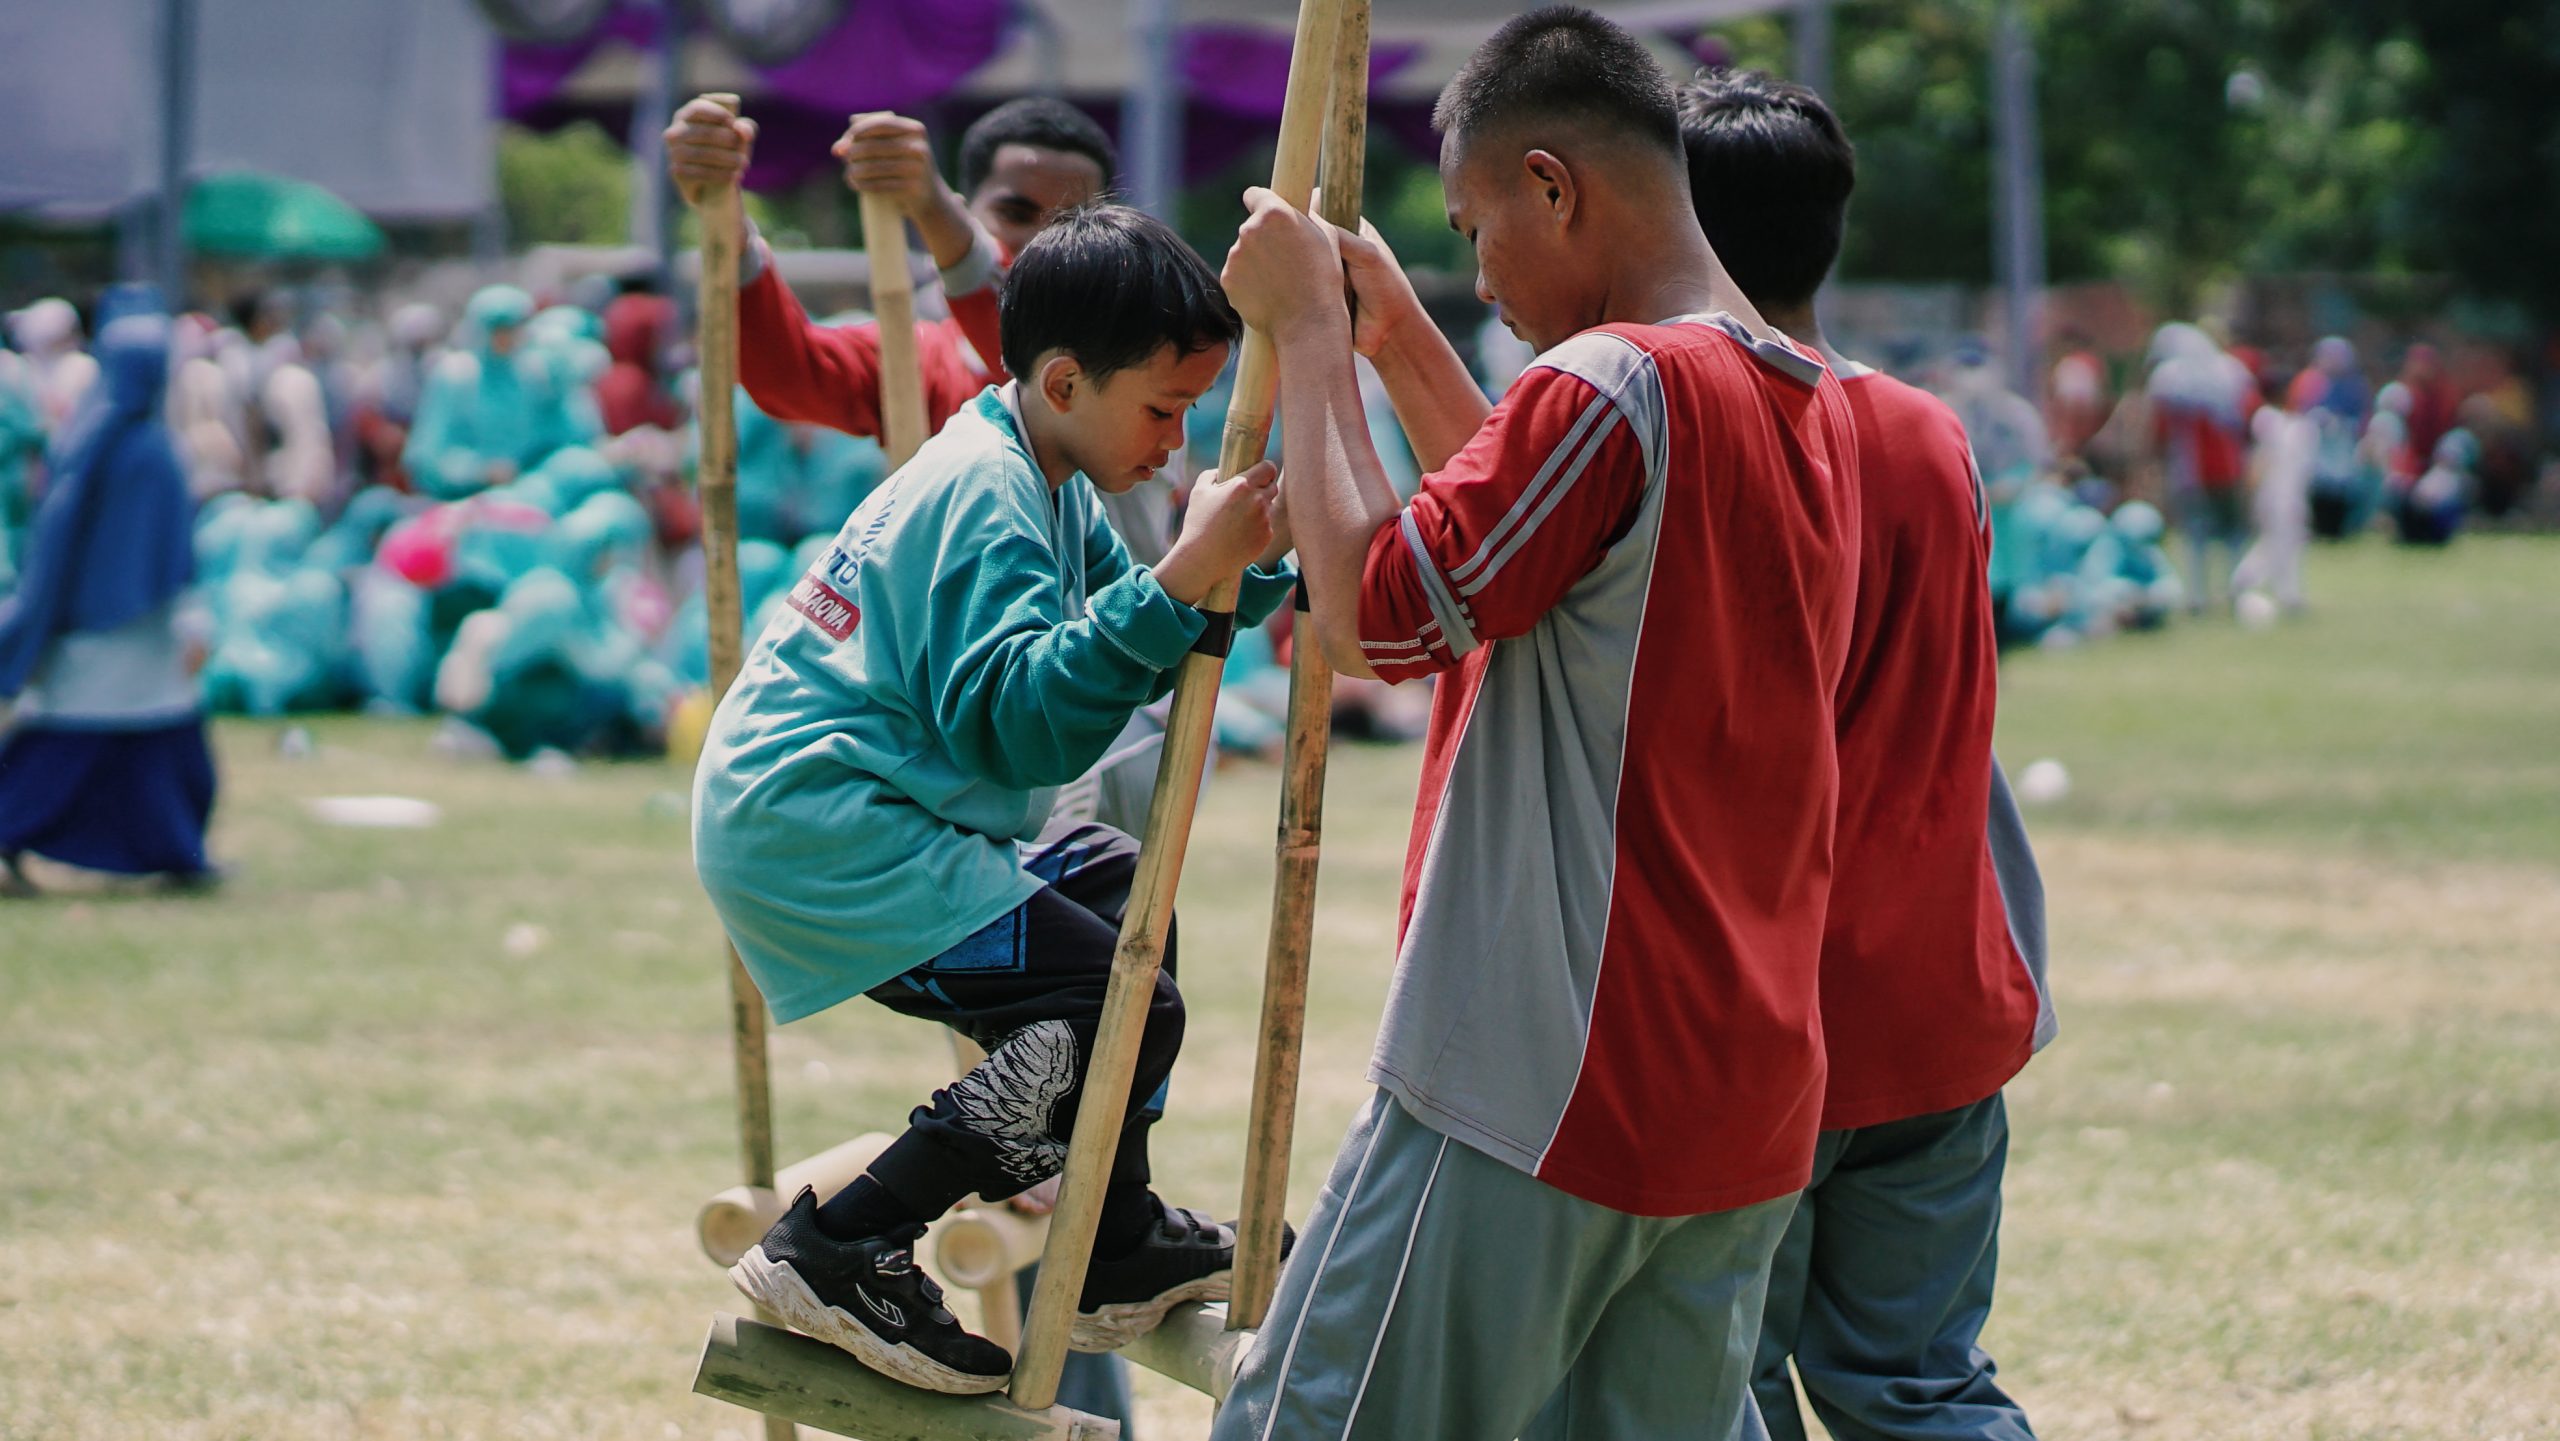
x: 1028, y: 990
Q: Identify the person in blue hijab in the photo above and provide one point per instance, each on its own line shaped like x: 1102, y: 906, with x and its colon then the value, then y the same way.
x: 104, y: 764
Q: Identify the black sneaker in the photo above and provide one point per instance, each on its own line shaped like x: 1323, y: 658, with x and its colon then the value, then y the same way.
x: 1186, y: 1257
x: 869, y: 1298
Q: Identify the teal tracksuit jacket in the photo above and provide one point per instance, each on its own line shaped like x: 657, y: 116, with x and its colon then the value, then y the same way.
x: 973, y: 640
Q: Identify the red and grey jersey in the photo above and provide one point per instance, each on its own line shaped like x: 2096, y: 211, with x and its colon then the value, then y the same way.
x: 1927, y: 998
x: 1635, y: 581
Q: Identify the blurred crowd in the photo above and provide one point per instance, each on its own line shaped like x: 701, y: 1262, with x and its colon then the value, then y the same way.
x: 2229, y: 457
x: 488, y: 514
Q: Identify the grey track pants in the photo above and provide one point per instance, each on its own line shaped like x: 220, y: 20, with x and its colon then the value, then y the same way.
x: 1439, y: 1293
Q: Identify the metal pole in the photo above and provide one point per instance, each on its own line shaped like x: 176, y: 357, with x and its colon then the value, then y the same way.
x: 653, y: 226
x: 1813, y: 45
x: 177, y: 143
x: 2018, y: 197
x: 1153, y: 109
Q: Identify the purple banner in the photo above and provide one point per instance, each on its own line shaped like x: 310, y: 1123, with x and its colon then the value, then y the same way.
x: 884, y: 55
x: 1243, y: 71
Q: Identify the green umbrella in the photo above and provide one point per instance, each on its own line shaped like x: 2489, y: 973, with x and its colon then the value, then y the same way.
x: 268, y: 217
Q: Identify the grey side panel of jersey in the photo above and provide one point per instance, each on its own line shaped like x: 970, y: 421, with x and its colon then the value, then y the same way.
x: 2013, y: 861
x: 1489, y: 1015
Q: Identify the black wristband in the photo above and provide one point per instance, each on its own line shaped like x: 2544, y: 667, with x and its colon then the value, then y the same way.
x: 1298, y: 598
x: 1218, y: 636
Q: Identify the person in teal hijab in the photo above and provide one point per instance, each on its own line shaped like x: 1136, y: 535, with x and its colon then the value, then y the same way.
x: 2129, y: 572
x: 22, y: 441
x: 493, y: 408
x: 280, y: 621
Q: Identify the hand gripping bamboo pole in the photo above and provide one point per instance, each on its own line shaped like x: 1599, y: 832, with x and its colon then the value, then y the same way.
x: 716, y: 475
x: 893, y: 304
x: 1103, y: 1107
x: 1293, y: 894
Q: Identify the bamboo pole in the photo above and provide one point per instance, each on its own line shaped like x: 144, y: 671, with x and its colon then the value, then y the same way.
x: 1102, y: 1110
x: 893, y: 305
x: 1194, y: 1346
x: 1293, y: 894
x: 716, y: 475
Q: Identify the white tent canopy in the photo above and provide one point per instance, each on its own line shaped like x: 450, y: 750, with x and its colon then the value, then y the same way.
x: 385, y: 102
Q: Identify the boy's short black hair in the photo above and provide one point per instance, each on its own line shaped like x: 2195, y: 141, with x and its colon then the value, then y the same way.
x: 1561, y: 62
x: 1110, y: 285
x: 1770, y: 171
x: 1034, y: 120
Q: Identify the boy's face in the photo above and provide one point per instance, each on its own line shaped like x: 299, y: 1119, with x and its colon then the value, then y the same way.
x: 1026, y: 185
x: 1124, y: 429
x: 1517, y: 219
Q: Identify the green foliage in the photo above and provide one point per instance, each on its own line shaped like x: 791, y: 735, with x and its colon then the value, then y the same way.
x: 571, y: 187
x: 2189, y: 141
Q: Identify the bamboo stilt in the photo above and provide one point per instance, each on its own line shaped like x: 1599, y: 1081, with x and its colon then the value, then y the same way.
x: 716, y: 477
x: 1293, y: 895
x: 1140, y: 956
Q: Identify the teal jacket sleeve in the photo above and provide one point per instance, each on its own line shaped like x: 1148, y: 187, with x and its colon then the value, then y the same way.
x: 1264, y: 592
x: 1022, y: 695
x: 1107, y: 560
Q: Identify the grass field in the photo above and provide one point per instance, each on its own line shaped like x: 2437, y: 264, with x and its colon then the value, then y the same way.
x: 401, y: 1134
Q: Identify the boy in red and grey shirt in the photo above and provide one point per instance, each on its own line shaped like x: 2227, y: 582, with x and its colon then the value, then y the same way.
x: 1600, y: 1067
x: 1932, y: 955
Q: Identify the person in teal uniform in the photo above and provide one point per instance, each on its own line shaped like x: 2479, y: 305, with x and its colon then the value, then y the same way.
x: 494, y: 408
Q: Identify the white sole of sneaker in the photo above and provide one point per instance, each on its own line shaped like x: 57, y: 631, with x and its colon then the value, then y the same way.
x: 1108, y: 1328
x: 779, y: 1289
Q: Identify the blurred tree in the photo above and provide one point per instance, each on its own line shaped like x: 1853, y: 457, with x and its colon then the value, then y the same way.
x: 2482, y: 77
x: 570, y: 187
x: 2189, y: 141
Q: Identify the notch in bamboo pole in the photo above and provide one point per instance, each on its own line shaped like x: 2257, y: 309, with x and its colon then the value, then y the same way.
x: 1103, y: 1107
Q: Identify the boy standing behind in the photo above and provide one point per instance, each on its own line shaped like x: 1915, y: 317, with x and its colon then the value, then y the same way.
x: 871, y: 814
x: 1932, y: 957
x: 1600, y: 1066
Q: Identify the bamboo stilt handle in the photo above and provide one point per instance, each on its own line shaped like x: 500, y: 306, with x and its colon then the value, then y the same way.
x: 893, y: 305
x: 1293, y: 894
x: 1103, y: 1107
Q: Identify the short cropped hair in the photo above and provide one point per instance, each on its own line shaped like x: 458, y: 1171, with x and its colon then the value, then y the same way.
x: 1110, y: 285
x: 1036, y: 120
x: 1770, y: 171
x: 1561, y: 62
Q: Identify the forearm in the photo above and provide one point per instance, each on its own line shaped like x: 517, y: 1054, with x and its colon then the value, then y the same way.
x: 945, y: 224
x: 1437, y: 401
x: 1339, y: 494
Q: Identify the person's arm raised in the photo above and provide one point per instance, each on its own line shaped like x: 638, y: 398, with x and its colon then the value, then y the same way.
x: 1284, y: 279
x: 887, y: 154
x: 1437, y: 401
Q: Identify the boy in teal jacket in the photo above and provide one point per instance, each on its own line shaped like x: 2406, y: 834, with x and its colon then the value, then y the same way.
x: 871, y: 814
